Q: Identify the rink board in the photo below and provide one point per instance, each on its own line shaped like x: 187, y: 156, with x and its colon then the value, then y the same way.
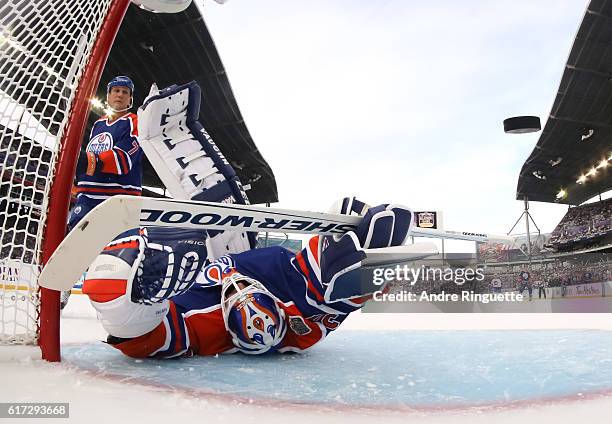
x: 385, y: 370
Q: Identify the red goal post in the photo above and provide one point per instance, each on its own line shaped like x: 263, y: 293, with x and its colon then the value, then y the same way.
x: 52, y: 53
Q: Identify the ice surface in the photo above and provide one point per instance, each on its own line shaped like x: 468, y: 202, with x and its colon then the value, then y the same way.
x: 375, y: 369
x: 391, y: 369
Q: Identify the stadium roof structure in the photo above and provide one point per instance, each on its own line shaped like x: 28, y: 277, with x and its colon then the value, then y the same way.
x: 177, y: 48
x: 574, y: 151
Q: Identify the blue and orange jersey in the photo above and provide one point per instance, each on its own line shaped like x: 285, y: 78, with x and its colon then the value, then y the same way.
x: 194, y: 325
x: 295, y: 280
x: 115, y: 144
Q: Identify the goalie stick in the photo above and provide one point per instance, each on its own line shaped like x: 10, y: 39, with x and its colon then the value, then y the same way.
x: 121, y: 213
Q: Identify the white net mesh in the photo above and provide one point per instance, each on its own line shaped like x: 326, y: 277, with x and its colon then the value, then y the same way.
x: 44, y: 46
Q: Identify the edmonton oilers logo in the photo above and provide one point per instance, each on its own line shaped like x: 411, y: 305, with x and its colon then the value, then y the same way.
x: 212, y: 275
x: 100, y: 143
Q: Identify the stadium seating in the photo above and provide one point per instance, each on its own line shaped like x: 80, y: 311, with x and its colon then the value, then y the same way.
x: 584, y: 226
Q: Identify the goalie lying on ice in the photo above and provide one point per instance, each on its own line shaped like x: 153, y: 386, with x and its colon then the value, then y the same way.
x: 158, y: 295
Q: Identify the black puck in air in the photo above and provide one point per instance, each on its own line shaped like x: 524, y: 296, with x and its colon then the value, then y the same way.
x: 522, y: 124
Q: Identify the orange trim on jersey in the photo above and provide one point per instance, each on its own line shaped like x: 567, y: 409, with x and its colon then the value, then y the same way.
x: 313, y: 244
x: 109, y: 162
x: 143, y: 346
x: 100, y: 290
x: 108, y: 191
x: 134, y: 124
x: 304, y: 268
x: 111, y: 120
x: 207, y: 333
x: 131, y: 244
x: 361, y: 299
x: 123, y: 160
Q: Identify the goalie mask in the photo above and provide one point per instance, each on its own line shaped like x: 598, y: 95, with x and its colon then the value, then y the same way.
x: 251, y: 314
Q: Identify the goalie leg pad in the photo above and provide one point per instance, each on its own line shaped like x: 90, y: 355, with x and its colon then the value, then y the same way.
x: 349, y: 206
x: 221, y: 243
x: 182, y: 152
x: 180, y: 149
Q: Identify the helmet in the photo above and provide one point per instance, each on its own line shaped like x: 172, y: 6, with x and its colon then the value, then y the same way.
x: 251, y: 314
x: 120, y: 81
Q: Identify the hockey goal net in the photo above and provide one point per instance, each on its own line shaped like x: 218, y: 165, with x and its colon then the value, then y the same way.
x: 52, y: 53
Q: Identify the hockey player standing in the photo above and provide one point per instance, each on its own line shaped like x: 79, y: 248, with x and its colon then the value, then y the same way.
x: 496, y: 284
x: 524, y: 282
x: 114, y: 157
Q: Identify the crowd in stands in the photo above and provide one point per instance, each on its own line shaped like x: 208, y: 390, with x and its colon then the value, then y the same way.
x: 590, y: 223
x: 554, y: 274
x: 559, y: 273
x: 509, y: 277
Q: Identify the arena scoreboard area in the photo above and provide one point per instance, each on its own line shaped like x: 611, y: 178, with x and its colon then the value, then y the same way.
x: 429, y: 219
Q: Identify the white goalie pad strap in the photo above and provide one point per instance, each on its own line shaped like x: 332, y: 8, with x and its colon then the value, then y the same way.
x: 194, y: 156
x: 174, y: 135
x: 227, y: 242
